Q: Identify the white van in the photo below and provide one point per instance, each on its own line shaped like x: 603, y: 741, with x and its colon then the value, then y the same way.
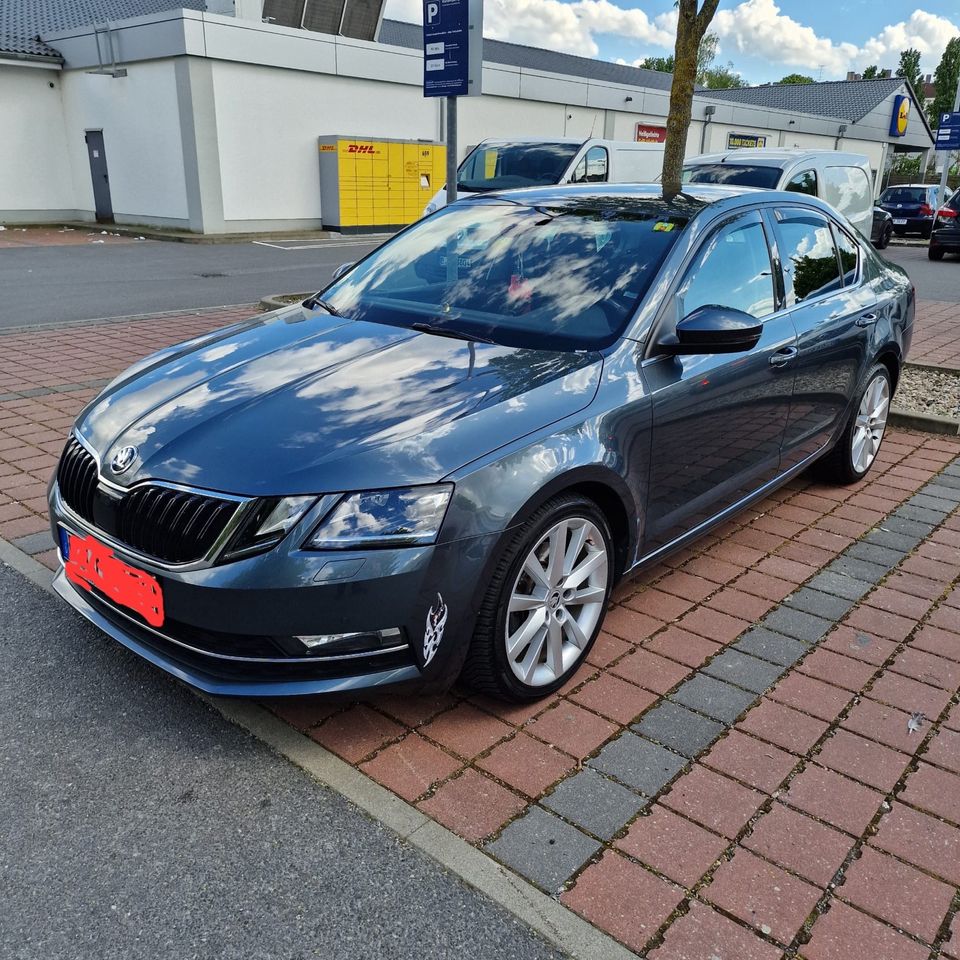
x: 511, y: 164
x: 843, y: 180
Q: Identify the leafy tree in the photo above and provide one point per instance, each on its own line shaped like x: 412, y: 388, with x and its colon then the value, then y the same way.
x: 871, y: 72
x: 721, y: 78
x: 945, y: 81
x: 909, y: 69
x: 796, y: 78
x: 706, y: 54
x: 663, y: 64
x: 692, y: 23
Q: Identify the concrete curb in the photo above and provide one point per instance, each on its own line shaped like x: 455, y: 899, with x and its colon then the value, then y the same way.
x: 183, y: 236
x: 275, y: 300
x: 553, y: 921
x: 927, y: 422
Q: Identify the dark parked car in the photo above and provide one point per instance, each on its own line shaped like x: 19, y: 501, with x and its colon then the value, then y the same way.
x: 911, y: 206
x: 945, y: 237
x: 442, y: 463
x: 882, y: 228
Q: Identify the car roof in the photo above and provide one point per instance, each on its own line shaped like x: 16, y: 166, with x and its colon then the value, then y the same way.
x: 774, y: 157
x: 897, y: 186
x: 534, y: 140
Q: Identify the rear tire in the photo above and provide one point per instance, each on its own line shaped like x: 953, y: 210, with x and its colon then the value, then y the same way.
x: 885, y: 235
x: 935, y: 253
x: 541, y: 612
x: 856, y: 450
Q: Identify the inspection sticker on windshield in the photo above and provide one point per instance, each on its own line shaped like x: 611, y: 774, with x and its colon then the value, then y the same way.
x: 661, y: 226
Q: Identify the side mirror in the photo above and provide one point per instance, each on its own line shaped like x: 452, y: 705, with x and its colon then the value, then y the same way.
x: 342, y: 269
x: 714, y: 329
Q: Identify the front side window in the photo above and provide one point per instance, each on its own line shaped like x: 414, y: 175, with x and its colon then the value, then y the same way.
x: 805, y: 182
x: 592, y: 167
x: 565, y: 275
x: 732, y: 270
x: 808, y: 255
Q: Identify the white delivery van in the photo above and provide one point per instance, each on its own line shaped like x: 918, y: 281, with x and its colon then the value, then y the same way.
x: 843, y: 180
x: 512, y: 164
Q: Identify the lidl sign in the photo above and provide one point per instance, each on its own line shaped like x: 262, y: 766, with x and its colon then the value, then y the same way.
x: 901, y: 116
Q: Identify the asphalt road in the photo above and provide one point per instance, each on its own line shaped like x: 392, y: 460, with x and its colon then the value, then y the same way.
x: 41, y: 285
x: 137, y: 823
x: 934, y: 281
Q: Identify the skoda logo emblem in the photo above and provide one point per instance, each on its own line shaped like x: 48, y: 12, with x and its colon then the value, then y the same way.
x: 123, y: 459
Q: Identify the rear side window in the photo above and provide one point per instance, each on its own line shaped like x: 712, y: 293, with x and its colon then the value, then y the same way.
x: 805, y: 182
x: 732, y: 270
x: 808, y: 255
x: 849, y: 256
x: 847, y: 189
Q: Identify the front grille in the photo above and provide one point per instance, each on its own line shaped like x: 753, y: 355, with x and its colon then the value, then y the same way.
x: 175, y: 526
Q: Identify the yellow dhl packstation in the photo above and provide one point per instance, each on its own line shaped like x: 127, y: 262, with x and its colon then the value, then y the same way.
x: 377, y: 184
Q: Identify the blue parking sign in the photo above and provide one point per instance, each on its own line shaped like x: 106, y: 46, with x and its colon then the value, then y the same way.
x: 452, y: 47
x: 948, y: 132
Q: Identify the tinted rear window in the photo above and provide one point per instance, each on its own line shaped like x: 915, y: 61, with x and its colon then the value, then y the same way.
x: 509, y: 166
x: 735, y: 174
x: 904, y: 195
x: 954, y: 201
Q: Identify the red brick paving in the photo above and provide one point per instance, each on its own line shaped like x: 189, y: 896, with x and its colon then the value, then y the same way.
x: 60, y: 236
x: 935, y: 342
x: 849, y: 700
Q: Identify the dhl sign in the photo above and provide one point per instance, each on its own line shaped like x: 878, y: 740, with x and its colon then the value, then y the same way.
x: 360, y: 148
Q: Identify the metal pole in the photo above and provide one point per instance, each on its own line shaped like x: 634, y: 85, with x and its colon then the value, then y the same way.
x: 942, y: 195
x: 451, y: 149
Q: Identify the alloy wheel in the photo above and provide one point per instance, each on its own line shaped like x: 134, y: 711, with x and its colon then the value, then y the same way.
x: 870, y: 423
x: 557, y: 601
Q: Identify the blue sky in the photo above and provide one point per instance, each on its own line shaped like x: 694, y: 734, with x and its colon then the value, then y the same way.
x: 764, y: 39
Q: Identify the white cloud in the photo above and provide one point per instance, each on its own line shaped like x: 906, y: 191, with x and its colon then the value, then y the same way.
x: 753, y: 28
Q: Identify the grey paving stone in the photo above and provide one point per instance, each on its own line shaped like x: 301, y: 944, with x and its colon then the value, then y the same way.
x: 678, y: 728
x: 745, y: 671
x: 543, y: 848
x: 595, y: 803
x: 946, y: 480
x: 638, y: 763
x: 819, y: 603
x: 874, y: 553
x: 775, y: 647
x: 912, y: 512
x: 860, y: 569
x: 929, y: 502
x: 949, y: 491
x: 713, y: 697
x: 35, y: 542
x: 895, y: 541
x: 797, y: 624
x: 841, y: 585
x: 910, y: 528
x: 952, y: 469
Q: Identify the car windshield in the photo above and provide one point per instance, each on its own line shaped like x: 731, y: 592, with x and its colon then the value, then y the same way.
x: 904, y: 195
x: 564, y: 276
x: 734, y: 174
x: 509, y: 166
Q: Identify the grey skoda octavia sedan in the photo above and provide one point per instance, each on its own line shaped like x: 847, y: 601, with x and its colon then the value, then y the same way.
x: 440, y: 465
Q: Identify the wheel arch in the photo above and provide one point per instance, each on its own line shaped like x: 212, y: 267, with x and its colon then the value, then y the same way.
x: 891, y: 357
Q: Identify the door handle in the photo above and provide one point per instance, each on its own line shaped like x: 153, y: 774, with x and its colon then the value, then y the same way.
x: 782, y: 357
x: 864, y: 320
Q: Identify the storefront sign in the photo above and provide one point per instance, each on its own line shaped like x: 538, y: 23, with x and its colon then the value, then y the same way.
x: 646, y: 133
x: 901, y: 116
x: 736, y: 141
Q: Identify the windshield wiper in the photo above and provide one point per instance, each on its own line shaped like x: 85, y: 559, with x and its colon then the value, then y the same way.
x: 312, y: 303
x: 448, y: 332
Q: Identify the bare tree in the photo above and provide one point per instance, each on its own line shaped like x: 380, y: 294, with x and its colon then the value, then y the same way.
x: 692, y: 24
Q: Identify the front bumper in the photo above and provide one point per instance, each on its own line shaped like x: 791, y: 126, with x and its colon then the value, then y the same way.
x: 231, y: 629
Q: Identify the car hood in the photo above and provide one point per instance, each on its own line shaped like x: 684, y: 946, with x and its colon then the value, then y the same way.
x: 303, y: 402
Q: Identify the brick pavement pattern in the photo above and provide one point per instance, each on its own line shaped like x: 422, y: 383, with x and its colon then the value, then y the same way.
x: 761, y: 756
x: 936, y: 337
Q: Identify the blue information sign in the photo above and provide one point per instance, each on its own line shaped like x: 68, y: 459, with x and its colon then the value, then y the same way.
x: 948, y: 132
x: 452, y: 39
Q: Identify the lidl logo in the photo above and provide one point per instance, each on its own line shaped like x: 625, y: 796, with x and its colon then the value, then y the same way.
x: 901, y: 116
x: 360, y: 148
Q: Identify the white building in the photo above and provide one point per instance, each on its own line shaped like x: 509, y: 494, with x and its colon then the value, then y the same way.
x: 208, y: 122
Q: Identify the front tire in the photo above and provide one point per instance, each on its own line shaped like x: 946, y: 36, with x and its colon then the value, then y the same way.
x: 885, y: 235
x: 857, y: 448
x: 545, y: 602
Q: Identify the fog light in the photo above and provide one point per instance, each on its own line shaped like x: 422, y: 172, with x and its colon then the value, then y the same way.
x: 340, y: 644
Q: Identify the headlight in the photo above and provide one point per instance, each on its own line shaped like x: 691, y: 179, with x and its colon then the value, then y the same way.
x: 267, y: 525
x: 384, y: 518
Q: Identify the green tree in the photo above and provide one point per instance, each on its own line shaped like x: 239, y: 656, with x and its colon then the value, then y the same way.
x: 721, y: 78
x: 692, y: 23
x: 871, y: 72
x: 706, y: 54
x: 945, y: 81
x: 663, y: 64
x: 796, y: 78
x: 909, y: 69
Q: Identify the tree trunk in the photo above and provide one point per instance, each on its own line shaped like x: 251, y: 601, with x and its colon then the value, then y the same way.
x: 691, y: 26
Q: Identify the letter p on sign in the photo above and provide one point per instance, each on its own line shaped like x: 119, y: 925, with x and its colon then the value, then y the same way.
x: 432, y: 10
